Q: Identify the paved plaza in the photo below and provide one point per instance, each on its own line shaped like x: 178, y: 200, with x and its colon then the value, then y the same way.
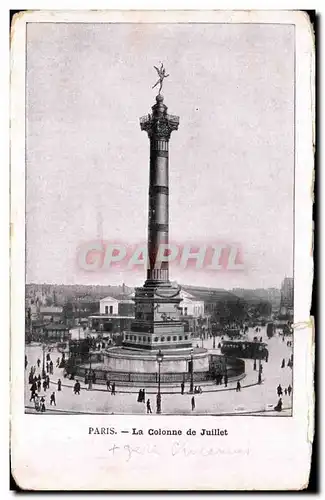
x: 214, y: 400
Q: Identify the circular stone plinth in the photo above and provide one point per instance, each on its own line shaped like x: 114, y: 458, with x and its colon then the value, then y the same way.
x: 119, y: 359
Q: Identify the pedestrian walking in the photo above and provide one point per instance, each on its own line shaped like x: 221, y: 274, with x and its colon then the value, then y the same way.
x: 289, y: 389
x: 139, y: 396
x: 278, y: 407
x: 238, y: 387
x: 254, y: 367
x: 182, y: 387
x: 225, y: 379
x: 57, y: 362
x: 51, y: 367
x: 193, y: 403
x: 26, y: 362
x: 283, y: 363
x: 42, y: 403
x: 37, y: 403
x: 33, y: 392
x: 108, y: 384
x: 285, y: 391
x: 76, y: 388
x: 38, y: 363
x: 39, y: 385
x: 33, y: 386
x: 143, y: 395
x: 59, y: 385
x: 52, y: 399
x: 47, y: 367
x: 48, y: 381
x: 44, y: 385
x: 279, y: 390
x: 148, y: 406
x: 259, y: 377
x: 113, y: 389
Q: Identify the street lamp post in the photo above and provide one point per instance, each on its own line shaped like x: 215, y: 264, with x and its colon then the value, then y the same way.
x: 191, y: 383
x: 43, y: 363
x: 260, y: 369
x: 90, y: 378
x: 160, y: 358
x: 79, y: 327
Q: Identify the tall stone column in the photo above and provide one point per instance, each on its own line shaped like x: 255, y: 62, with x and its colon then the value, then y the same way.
x: 159, y: 126
x: 157, y: 323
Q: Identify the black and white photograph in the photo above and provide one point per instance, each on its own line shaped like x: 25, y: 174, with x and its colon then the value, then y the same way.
x: 199, y: 321
x: 161, y: 237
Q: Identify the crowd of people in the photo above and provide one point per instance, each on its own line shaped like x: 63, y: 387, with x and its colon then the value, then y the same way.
x: 40, y: 382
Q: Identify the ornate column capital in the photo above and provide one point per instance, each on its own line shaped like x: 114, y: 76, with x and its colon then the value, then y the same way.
x: 159, y: 124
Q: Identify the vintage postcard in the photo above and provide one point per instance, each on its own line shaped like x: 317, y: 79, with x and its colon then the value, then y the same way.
x: 162, y: 267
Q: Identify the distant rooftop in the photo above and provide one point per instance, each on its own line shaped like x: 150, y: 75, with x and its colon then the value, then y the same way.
x: 56, y: 326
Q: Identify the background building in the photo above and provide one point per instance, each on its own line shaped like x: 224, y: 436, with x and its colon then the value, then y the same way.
x: 286, y: 305
x: 108, y: 305
x: 190, y: 306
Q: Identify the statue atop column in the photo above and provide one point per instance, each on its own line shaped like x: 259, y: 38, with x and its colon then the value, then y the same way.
x: 162, y: 75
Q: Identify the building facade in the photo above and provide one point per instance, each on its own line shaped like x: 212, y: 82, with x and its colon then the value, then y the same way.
x: 190, y: 306
x: 108, y: 306
x: 287, y: 295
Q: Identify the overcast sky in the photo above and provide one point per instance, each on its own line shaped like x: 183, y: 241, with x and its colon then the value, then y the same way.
x: 231, y: 161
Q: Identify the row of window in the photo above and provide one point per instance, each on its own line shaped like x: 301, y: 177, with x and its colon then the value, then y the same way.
x: 197, y: 310
x: 156, y: 339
